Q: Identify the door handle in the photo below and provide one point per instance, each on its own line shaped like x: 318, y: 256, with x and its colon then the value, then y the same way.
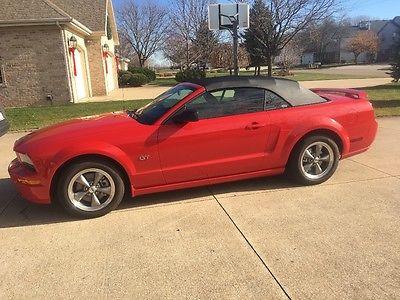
x: 254, y: 126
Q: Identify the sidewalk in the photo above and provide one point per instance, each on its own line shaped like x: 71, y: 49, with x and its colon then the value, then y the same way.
x: 151, y: 92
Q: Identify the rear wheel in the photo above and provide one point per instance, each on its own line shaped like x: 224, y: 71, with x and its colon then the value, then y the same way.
x: 90, y: 189
x: 314, y: 160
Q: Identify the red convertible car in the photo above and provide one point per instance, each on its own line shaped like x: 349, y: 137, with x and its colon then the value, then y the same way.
x: 198, y: 133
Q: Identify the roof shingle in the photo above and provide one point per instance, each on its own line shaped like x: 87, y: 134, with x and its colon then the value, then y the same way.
x: 91, y: 13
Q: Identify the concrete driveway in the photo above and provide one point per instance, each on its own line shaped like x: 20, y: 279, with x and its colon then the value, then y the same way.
x: 257, y: 239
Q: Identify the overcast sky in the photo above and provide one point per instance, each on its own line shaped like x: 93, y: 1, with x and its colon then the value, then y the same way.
x: 377, y: 9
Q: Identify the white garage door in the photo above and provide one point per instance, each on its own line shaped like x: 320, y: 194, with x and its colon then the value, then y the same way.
x: 80, y: 82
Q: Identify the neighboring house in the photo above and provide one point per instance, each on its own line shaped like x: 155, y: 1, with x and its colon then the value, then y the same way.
x: 387, y: 37
x: 56, y: 51
x: 337, y: 51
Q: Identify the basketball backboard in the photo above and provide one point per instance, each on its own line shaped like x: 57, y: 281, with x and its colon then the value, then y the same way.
x: 218, y: 15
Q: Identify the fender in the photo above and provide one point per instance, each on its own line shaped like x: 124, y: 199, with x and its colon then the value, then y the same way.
x: 100, y: 148
x: 316, y: 123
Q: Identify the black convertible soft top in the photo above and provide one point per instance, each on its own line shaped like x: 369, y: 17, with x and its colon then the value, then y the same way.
x: 289, y: 90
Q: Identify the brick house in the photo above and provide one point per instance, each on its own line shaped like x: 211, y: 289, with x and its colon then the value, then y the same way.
x: 56, y: 51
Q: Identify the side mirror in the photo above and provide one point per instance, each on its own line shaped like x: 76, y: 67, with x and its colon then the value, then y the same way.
x: 186, y: 116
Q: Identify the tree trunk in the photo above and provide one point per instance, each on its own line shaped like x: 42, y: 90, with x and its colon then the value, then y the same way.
x: 356, y: 55
x: 269, y: 63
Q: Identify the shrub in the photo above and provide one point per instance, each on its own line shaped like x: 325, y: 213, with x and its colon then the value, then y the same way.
x: 126, y: 78
x: 189, y: 75
x: 150, y: 74
x: 138, y: 80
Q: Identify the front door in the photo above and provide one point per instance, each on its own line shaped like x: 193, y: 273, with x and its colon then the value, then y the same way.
x: 229, y: 138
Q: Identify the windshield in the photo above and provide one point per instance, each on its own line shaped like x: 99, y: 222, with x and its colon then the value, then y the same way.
x: 163, y: 103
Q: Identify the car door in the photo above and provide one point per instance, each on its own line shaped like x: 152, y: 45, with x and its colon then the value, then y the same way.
x: 229, y: 138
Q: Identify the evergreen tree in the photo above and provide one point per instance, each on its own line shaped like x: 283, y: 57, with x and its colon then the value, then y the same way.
x: 259, y: 13
x: 395, y: 69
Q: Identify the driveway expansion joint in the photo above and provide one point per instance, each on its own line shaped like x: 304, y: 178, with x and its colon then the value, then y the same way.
x: 360, y: 163
x: 252, y: 248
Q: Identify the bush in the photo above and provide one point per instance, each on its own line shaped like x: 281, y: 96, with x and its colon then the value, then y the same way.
x: 138, y: 80
x: 126, y: 78
x: 150, y: 74
x: 189, y: 75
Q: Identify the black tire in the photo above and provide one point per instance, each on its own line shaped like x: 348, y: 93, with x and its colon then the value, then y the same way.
x: 299, y: 163
x: 111, y: 182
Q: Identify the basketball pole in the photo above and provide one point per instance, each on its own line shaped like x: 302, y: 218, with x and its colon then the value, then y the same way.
x: 235, y: 35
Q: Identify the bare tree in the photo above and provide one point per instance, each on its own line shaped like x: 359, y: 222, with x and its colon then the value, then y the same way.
x: 285, y: 19
x: 290, y: 56
x: 144, y: 27
x: 222, y: 57
x: 321, y: 36
x: 187, y: 19
x: 363, y: 41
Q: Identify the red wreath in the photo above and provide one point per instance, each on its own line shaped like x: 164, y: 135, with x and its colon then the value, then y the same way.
x: 72, y: 53
x: 105, y: 56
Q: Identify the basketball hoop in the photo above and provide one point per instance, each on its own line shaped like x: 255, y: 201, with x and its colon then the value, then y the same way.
x: 230, y: 17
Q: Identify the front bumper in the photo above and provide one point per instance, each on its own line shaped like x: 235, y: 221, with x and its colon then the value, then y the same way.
x: 28, y: 183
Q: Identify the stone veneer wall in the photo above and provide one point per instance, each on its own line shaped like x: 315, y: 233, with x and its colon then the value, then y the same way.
x: 33, y: 59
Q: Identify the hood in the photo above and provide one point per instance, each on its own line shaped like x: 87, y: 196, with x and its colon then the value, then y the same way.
x: 83, y: 129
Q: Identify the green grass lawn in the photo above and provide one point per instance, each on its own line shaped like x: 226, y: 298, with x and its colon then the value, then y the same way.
x: 298, y: 76
x: 26, y: 118
x: 385, y: 98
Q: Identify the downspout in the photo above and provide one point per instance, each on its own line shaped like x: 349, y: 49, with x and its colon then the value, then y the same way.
x: 70, y: 83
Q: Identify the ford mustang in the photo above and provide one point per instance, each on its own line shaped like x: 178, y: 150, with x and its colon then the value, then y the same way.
x: 198, y: 133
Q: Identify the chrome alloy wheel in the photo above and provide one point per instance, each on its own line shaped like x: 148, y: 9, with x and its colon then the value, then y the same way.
x: 317, y: 160
x: 91, y: 190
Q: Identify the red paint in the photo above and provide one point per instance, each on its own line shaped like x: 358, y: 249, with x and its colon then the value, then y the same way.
x: 200, y: 153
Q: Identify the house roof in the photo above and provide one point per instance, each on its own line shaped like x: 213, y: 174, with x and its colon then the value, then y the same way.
x: 376, y: 26
x: 29, y: 10
x: 32, y: 11
x: 87, y: 12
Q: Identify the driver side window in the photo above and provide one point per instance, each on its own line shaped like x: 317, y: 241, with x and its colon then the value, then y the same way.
x: 228, y: 102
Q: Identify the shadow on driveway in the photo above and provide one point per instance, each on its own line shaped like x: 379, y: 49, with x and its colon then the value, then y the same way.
x: 16, y: 212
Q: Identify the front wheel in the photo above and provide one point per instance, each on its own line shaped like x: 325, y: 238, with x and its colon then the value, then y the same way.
x: 314, y: 160
x: 90, y: 189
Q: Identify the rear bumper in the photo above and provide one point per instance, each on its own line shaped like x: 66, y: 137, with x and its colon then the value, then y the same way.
x: 363, y: 144
x: 28, y: 183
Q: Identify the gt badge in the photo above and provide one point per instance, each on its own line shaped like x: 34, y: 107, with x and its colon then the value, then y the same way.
x: 144, y: 157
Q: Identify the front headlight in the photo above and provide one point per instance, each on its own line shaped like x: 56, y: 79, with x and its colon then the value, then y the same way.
x: 24, y: 158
